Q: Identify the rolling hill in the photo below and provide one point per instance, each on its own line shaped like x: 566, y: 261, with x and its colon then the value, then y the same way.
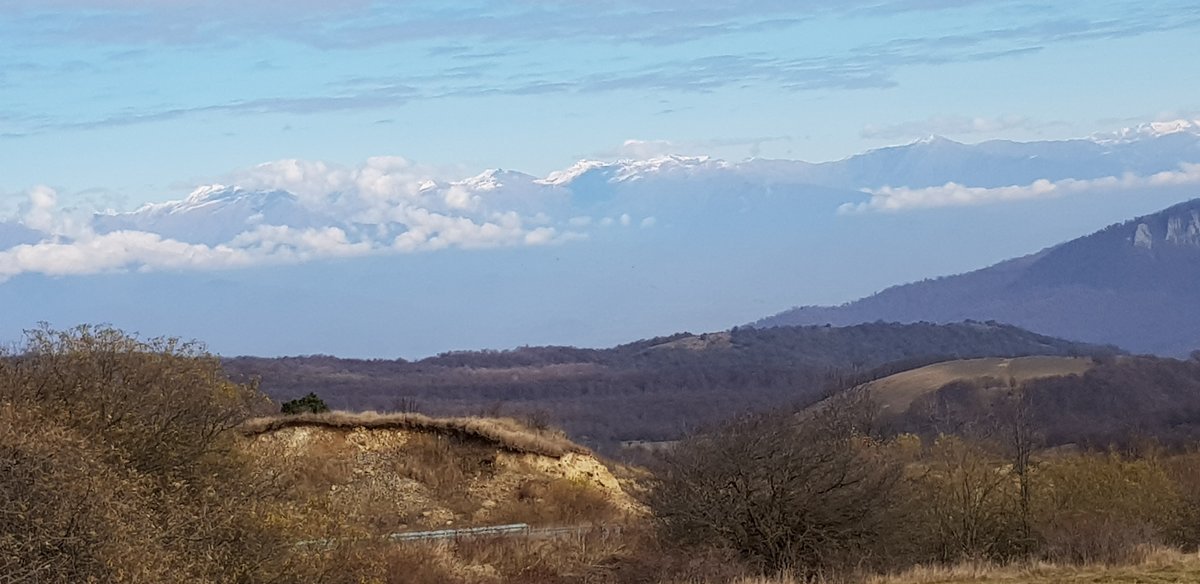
x: 895, y: 393
x: 1132, y: 284
x: 1105, y: 402
x: 654, y: 389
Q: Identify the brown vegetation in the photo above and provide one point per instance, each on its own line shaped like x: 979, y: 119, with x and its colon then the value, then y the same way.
x: 785, y: 492
x: 117, y: 464
x: 129, y: 461
x: 761, y: 489
x: 504, y: 433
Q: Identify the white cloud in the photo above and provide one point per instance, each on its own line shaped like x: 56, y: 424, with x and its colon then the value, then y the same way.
x: 299, y: 244
x: 384, y: 205
x: 894, y: 199
x: 40, y: 213
x: 117, y: 250
x: 950, y: 126
x: 641, y: 149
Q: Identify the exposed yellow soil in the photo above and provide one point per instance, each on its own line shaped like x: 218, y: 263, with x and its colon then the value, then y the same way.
x: 393, y: 478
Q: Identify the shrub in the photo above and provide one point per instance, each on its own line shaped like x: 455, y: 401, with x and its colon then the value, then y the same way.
x: 968, y: 501
x: 782, y: 491
x: 118, y: 463
x: 1100, y: 507
x: 309, y: 404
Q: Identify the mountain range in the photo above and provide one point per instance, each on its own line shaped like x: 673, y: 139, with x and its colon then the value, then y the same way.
x: 1135, y: 284
x: 389, y: 258
x: 295, y: 211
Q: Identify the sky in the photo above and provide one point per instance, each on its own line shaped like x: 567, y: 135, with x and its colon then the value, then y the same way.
x: 113, y: 104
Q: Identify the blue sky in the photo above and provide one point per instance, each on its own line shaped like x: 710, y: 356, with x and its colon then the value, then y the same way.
x: 134, y: 100
x: 355, y: 106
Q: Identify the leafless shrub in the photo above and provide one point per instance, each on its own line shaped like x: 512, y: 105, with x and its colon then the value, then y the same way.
x: 119, y: 464
x: 784, y: 492
x: 1099, y: 508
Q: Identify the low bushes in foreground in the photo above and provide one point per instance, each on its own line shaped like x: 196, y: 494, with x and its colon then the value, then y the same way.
x: 820, y: 494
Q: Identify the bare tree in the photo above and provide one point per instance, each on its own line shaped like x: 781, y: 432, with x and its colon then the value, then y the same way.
x: 799, y: 492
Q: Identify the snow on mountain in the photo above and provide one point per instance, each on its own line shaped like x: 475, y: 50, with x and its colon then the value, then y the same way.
x: 300, y: 210
x: 215, y: 214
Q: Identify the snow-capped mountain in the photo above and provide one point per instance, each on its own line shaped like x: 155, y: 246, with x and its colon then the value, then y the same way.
x: 628, y: 248
x: 295, y: 211
x: 215, y: 214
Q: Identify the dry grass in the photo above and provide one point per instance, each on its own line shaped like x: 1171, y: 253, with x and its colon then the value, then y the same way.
x: 1153, y: 566
x: 504, y: 433
x: 897, y: 392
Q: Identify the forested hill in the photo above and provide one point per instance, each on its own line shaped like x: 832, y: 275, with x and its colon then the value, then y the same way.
x: 1133, y: 284
x: 653, y: 389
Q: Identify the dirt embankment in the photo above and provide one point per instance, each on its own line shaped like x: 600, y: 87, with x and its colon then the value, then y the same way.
x: 389, y: 473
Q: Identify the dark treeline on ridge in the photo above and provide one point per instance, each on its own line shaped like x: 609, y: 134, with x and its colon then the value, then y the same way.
x: 656, y: 389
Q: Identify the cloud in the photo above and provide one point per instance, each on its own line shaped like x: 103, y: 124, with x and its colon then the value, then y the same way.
x: 40, y: 213
x: 951, y: 126
x: 447, y: 36
x: 639, y: 149
x: 362, y: 23
x: 292, y: 211
x: 113, y: 251
x: 635, y: 149
x: 897, y: 199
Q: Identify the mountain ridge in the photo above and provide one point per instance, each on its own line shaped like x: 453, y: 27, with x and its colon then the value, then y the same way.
x: 1132, y: 284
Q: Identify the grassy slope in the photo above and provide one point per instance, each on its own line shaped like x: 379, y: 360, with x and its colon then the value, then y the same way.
x: 1184, y: 571
x: 896, y: 392
x: 1158, y: 566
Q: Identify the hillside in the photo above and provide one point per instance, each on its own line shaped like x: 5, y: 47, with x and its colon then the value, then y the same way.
x: 1110, y: 401
x: 895, y: 393
x: 1132, y: 284
x: 655, y: 389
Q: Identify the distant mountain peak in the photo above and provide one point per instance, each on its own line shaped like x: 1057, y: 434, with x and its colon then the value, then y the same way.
x: 495, y: 178
x: 217, y: 193
x: 628, y: 169
x: 571, y: 173
x: 933, y: 139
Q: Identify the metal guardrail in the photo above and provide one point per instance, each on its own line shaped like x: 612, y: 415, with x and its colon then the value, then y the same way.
x: 503, y: 530
x: 510, y: 530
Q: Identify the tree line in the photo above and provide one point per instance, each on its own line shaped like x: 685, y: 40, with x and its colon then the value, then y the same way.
x: 648, y: 390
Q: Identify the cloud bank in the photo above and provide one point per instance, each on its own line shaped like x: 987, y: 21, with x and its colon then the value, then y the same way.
x: 293, y: 211
x: 890, y: 199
